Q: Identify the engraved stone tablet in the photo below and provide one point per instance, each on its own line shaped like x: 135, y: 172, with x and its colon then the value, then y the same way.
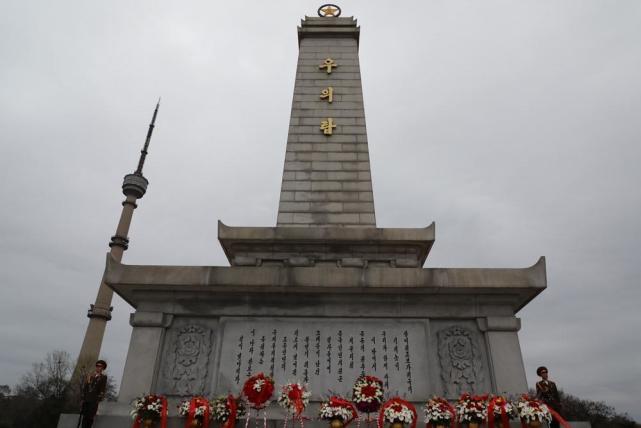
x: 327, y: 354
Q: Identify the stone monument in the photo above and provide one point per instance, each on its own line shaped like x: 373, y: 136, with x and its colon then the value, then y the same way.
x: 325, y: 295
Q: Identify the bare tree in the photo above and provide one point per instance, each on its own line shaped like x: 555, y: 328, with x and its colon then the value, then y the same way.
x: 5, y: 391
x: 59, y: 366
x: 598, y: 413
x: 40, y: 396
x: 48, y: 379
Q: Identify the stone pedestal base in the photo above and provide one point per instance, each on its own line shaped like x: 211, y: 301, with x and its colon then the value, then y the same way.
x: 424, y: 332
x: 113, y: 421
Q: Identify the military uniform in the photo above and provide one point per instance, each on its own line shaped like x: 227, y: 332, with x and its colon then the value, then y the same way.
x: 547, y: 392
x: 93, y: 391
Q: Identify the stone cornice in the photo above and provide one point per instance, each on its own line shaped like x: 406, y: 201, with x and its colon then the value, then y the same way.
x: 137, y: 283
x: 340, y: 246
x: 328, y: 27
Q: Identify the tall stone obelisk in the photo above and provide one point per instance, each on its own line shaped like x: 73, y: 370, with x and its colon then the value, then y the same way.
x: 326, y: 179
x: 134, y: 187
x: 324, y: 296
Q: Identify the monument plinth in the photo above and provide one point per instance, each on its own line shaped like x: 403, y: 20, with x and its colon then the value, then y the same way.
x: 324, y: 296
x: 325, y: 325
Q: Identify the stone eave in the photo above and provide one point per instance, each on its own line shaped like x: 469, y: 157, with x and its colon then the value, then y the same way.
x: 328, y: 27
x: 138, y: 283
x: 337, y: 237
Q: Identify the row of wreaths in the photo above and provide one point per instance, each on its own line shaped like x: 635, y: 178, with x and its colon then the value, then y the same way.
x: 367, y: 397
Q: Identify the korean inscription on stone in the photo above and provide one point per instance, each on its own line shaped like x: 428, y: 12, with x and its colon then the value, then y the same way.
x: 328, y: 355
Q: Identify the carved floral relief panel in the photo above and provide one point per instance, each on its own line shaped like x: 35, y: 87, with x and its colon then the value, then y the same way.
x: 462, y: 359
x: 186, y: 361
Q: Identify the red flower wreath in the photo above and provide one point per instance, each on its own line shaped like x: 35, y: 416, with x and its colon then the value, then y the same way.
x: 397, y: 410
x: 196, y: 408
x: 499, y: 408
x: 367, y: 393
x: 258, y: 389
x: 338, y: 407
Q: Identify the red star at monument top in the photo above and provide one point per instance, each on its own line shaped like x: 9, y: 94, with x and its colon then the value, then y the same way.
x: 329, y: 11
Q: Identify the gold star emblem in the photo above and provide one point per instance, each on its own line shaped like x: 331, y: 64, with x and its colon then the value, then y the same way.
x: 329, y: 11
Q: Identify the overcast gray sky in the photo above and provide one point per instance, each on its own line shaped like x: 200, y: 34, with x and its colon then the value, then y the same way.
x: 515, y: 125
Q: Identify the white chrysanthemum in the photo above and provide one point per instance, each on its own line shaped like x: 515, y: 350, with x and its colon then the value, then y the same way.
x: 530, y: 412
x: 146, y: 405
x: 258, y: 385
x: 328, y: 412
x: 436, y: 412
x: 183, y: 409
x: 358, y: 395
x: 404, y: 414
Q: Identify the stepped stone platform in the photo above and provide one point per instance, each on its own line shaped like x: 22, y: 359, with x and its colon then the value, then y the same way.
x: 71, y: 421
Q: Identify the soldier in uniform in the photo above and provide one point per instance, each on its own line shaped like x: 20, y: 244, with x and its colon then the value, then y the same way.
x: 547, y: 392
x: 93, y: 391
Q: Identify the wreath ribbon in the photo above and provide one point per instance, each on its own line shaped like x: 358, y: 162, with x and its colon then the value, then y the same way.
x: 296, y: 395
x: 190, y: 412
x: 558, y: 418
x: 163, y: 413
x: 233, y: 412
x: 194, y: 403
x: 505, y: 421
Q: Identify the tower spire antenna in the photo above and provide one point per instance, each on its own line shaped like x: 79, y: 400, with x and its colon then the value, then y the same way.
x: 143, y: 152
x: 134, y: 187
